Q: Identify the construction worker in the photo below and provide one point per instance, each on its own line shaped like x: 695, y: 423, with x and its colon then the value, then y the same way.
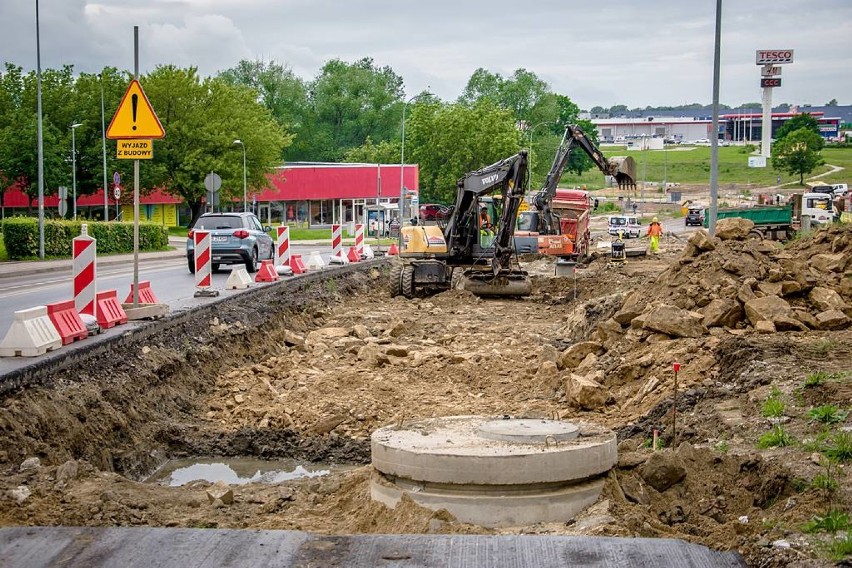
x: 485, y: 226
x: 655, y: 231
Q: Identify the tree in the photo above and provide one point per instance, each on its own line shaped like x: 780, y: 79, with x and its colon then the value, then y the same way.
x: 797, y: 122
x: 831, y: 103
x: 449, y: 140
x: 351, y: 102
x: 202, y: 119
x: 284, y: 94
x: 528, y: 97
x: 798, y: 152
x: 384, y: 152
x: 19, y: 124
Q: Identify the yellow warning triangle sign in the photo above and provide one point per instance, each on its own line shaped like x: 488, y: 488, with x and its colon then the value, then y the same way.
x: 135, y: 117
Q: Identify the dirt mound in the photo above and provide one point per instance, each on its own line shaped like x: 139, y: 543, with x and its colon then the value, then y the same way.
x: 310, y: 374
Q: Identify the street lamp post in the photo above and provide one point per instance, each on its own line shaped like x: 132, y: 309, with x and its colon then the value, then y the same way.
x: 402, y: 167
x: 40, y: 143
x: 74, y: 169
x: 245, y: 194
x: 103, y: 147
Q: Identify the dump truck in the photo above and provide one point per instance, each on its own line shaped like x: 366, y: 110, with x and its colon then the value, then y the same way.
x: 780, y: 222
x: 557, y: 223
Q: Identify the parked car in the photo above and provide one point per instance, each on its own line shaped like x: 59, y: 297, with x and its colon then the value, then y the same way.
x: 236, y: 238
x: 694, y: 216
x: 701, y: 142
x: 840, y: 189
x: 433, y: 211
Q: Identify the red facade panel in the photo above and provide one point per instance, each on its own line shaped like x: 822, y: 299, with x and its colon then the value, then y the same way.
x: 296, y: 183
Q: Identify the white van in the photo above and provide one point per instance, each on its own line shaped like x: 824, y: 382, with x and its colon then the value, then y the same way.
x: 840, y: 189
x: 627, y: 225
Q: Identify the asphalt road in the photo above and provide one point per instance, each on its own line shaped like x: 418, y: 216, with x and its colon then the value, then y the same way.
x: 31, y: 284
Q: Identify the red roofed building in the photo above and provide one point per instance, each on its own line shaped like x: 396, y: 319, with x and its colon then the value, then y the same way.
x: 317, y: 194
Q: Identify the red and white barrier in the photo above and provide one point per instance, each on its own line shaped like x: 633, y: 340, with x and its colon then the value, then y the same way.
x: 336, y: 240
x: 359, y: 239
x: 266, y: 273
x: 32, y: 333
x: 67, y: 321
x: 110, y: 312
x: 203, y: 271
x: 282, y: 246
x: 146, y: 294
x: 85, y: 269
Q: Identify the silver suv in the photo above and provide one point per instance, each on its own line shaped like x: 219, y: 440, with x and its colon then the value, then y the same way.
x: 235, y: 238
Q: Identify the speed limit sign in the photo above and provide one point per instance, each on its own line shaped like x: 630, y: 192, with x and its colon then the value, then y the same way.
x: 117, y: 192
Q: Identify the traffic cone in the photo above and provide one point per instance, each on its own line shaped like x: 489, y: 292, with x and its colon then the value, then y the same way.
x: 392, y: 251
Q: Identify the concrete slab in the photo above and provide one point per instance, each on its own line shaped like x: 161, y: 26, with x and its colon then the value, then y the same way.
x: 72, y: 547
x: 451, y: 450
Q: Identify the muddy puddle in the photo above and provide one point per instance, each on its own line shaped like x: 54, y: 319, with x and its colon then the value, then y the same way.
x: 239, y: 471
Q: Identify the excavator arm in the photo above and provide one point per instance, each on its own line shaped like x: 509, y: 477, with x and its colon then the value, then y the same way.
x: 622, y: 169
x: 509, y: 177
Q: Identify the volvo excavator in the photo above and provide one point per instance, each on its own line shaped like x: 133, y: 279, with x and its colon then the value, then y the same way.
x: 569, y: 223
x: 484, y: 255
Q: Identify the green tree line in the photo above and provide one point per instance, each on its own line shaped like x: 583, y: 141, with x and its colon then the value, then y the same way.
x: 351, y: 111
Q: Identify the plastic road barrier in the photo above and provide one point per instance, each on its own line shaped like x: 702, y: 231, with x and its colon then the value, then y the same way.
x: 359, y: 239
x: 282, y: 246
x: 146, y: 294
x: 336, y: 240
x: 85, y: 271
x: 31, y: 334
x: 67, y: 321
x: 266, y: 273
x: 110, y: 312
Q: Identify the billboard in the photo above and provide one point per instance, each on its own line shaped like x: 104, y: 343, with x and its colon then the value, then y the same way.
x: 773, y: 56
x: 757, y: 161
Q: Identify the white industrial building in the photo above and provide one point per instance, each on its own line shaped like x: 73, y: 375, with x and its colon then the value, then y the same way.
x: 681, y: 128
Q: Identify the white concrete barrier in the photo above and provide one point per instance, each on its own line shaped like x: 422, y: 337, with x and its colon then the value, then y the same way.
x: 31, y: 334
x: 315, y: 261
x: 239, y: 279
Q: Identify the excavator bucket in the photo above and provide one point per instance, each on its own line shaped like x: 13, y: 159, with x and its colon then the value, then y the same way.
x: 624, y: 171
x: 515, y: 283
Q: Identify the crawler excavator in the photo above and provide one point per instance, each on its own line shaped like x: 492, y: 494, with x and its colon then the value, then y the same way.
x: 561, y: 225
x: 484, y: 257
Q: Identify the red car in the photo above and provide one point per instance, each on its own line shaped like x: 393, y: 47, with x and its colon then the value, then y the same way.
x: 433, y: 211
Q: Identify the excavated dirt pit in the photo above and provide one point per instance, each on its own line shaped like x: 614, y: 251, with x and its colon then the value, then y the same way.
x: 308, y: 375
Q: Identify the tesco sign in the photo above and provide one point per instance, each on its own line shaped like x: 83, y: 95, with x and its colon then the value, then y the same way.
x: 773, y: 56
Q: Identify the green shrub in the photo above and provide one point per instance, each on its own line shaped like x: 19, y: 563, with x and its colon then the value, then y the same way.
x: 832, y: 522
x: 774, y: 406
x: 20, y: 236
x: 840, y: 547
x: 840, y: 448
x: 775, y: 438
x: 827, y: 414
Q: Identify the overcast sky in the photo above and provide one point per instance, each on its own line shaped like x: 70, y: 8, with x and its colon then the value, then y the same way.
x: 597, y: 52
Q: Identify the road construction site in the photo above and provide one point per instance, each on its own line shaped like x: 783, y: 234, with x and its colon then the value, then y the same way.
x: 310, y: 371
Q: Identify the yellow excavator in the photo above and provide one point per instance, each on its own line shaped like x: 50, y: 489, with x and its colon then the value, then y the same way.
x: 485, y: 255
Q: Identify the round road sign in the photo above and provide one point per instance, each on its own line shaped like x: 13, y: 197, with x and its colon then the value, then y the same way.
x: 116, y: 178
x: 212, y: 182
x: 116, y: 192
x: 63, y: 207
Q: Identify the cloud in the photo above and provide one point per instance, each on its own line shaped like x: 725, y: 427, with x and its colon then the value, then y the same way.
x: 597, y: 53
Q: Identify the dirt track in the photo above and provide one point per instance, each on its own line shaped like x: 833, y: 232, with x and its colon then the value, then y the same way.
x: 341, y: 359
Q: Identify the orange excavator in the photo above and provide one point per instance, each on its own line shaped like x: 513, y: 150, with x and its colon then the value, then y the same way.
x: 558, y: 222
